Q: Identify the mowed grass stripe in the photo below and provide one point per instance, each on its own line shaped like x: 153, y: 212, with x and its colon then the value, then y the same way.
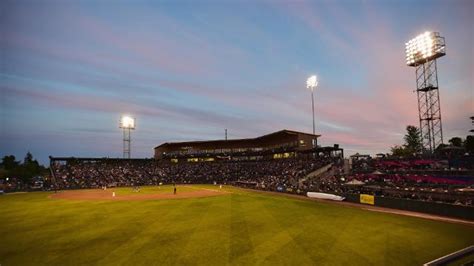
x: 208, y: 241
x: 155, y: 235
x: 279, y: 240
x: 102, y: 232
x: 316, y: 236
x: 241, y: 247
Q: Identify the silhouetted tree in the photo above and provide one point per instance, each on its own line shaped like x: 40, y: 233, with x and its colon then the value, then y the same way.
x: 9, y: 162
x: 413, y: 141
x: 25, y: 171
x: 456, y: 141
x: 469, y: 144
x: 30, y: 168
x: 400, y: 151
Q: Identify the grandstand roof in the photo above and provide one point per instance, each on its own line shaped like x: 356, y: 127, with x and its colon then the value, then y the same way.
x: 268, y: 137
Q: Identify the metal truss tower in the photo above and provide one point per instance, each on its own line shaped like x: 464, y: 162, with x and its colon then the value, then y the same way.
x: 429, y: 107
x: 127, y: 140
x: 127, y: 123
x: 421, y: 53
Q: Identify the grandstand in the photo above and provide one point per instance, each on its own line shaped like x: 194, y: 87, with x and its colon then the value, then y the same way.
x: 278, y: 161
x: 281, y: 144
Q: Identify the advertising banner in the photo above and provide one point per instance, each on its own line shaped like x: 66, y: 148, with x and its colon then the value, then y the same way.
x: 367, y: 199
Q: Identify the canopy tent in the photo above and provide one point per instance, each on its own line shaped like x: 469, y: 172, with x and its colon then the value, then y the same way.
x: 355, y: 183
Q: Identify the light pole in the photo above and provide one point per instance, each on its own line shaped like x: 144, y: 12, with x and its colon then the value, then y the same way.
x: 422, y: 53
x: 127, y: 123
x: 312, y: 83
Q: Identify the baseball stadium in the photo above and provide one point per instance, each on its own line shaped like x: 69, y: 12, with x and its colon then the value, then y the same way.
x: 271, y: 200
x: 236, y: 132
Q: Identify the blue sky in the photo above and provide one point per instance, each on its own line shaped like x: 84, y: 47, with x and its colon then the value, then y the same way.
x: 188, y: 69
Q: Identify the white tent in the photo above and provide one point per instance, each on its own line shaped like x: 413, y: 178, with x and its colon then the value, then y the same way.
x: 377, y: 172
x: 355, y: 183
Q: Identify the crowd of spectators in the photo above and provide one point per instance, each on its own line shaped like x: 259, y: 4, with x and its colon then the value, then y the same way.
x: 265, y: 174
x: 416, y: 179
x: 12, y: 184
x: 368, y: 164
x: 15, y: 184
x: 457, y: 190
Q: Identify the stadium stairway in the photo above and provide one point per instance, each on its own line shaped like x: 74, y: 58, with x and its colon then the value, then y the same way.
x: 318, y: 173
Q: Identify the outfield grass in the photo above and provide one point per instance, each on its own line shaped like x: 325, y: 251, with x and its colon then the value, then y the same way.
x: 236, y: 228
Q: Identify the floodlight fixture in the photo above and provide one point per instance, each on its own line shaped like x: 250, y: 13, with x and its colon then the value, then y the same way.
x: 312, y: 82
x: 422, y: 53
x: 127, y: 123
x: 424, y: 47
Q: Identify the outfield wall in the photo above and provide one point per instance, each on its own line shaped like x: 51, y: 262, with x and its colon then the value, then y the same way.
x: 442, y: 209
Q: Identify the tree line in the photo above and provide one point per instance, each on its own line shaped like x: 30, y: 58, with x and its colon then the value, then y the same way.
x: 413, y: 144
x: 24, y: 170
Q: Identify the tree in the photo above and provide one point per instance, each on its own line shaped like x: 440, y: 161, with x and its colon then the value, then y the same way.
x: 401, y: 151
x: 469, y: 144
x: 25, y: 171
x: 413, y: 143
x: 30, y: 168
x: 441, y: 147
x: 3, y: 173
x: 9, y: 162
x: 413, y: 140
x: 456, y: 141
x: 28, y: 158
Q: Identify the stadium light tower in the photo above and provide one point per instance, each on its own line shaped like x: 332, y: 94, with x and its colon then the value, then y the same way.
x: 127, y: 123
x: 312, y: 83
x: 421, y: 53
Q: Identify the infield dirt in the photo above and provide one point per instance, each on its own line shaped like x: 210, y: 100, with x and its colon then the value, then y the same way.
x: 99, y: 194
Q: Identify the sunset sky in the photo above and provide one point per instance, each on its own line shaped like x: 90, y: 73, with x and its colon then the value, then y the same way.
x: 186, y: 70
